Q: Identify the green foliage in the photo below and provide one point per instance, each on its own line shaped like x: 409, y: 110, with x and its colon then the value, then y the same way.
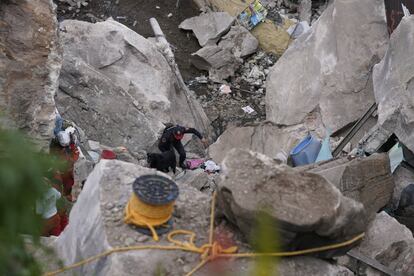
x: 265, y: 239
x: 21, y: 183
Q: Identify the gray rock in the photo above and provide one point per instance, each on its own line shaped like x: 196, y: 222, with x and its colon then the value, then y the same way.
x: 221, y: 63
x: 388, y: 242
x: 328, y: 69
x: 111, y: 181
x: 393, y: 84
x: 140, y: 93
x: 264, y: 138
x: 373, y: 140
x: 289, y: 267
x: 224, y: 59
x: 305, y: 206
x: 402, y: 178
x: 366, y: 180
x: 30, y: 62
x: 208, y: 27
x: 81, y: 170
x: 103, y: 109
x: 240, y: 40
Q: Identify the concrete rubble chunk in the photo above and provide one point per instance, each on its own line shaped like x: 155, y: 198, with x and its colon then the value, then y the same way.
x: 240, y: 40
x: 98, y: 215
x: 402, y: 178
x: 264, y: 138
x: 30, y: 62
x: 134, y: 72
x: 305, y: 206
x: 292, y: 266
x: 389, y: 243
x: 394, y: 86
x: 208, y: 27
x: 366, y: 180
x: 328, y: 69
x: 221, y: 63
x: 224, y: 59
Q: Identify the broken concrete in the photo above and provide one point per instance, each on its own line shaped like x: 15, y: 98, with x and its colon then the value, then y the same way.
x: 393, y: 84
x: 208, y: 27
x: 293, y: 266
x: 402, y: 178
x: 224, y: 59
x: 305, y: 206
x: 105, y: 111
x: 321, y: 73
x: 388, y: 242
x: 30, y: 62
x: 366, y: 180
x: 221, y: 63
x: 134, y: 72
x: 98, y: 215
x: 240, y: 41
x: 264, y: 138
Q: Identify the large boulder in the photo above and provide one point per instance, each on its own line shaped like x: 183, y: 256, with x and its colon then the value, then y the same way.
x: 389, y: 243
x: 96, y: 225
x: 328, y: 69
x: 306, y: 208
x: 114, y: 73
x: 366, y: 180
x: 394, y: 86
x: 266, y: 138
x: 30, y: 61
x: 208, y: 27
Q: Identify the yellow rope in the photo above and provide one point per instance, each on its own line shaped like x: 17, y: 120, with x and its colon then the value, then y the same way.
x: 208, y: 251
x: 145, y: 215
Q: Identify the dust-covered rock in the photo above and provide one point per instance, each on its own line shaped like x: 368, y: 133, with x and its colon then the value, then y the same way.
x: 328, y: 69
x: 307, y: 209
x: 30, y: 62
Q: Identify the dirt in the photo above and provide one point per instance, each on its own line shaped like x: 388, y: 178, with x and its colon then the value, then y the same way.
x: 136, y: 14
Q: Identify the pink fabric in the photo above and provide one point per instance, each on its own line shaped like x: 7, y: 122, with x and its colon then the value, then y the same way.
x: 194, y: 163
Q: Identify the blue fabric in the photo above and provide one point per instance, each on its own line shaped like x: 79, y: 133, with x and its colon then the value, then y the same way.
x: 325, y: 151
x: 58, y: 124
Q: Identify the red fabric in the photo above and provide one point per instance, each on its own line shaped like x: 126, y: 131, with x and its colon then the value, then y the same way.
x: 108, y: 154
x: 64, y: 221
x: 178, y: 136
x: 67, y: 176
x: 52, y: 226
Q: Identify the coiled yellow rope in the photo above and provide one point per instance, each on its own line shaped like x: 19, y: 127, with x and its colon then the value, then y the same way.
x: 209, y: 251
x: 145, y: 215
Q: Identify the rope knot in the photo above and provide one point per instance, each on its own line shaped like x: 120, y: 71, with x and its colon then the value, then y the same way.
x: 215, y: 250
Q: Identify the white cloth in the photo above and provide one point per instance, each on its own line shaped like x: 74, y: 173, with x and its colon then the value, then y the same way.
x: 211, y: 166
x: 47, y: 205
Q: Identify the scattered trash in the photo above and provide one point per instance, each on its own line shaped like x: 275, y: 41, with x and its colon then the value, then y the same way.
x: 306, y: 151
x: 135, y: 23
x: 108, y: 154
x: 193, y: 164
x: 225, y: 89
x: 157, y: 7
x: 169, y: 15
x: 121, y: 17
x: 201, y: 79
x: 252, y: 15
x: 211, y: 166
x: 248, y: 109
x: 325, y: 151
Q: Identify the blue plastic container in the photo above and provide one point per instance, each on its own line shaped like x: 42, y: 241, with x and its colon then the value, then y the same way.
x: 306, y: 151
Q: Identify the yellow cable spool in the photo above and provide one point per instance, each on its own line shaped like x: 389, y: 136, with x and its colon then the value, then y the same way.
x: 152, y: 203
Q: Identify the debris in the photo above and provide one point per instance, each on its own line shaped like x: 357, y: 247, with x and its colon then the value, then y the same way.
x: 394, y: 88
x: 169, y: 15
x: 121, y: 17
x: 251, y: 16
x: 325, y: 151
x: 366, y: 180
x: 202, y: 79
x: 135, y: 23
x: 225, y: 89
x: 248, y: 109
x: 306, y: 151
x: 388, y: 242
x: 241, y: 42
x: 211, y: 166
x: 396, y: 156
x: 325, y: 84
x: 194, y: 163
x: 305, y: 11
x: 298, y: 29
x: 209, y: 27
x: 305, y: 203
x: 157, y: 7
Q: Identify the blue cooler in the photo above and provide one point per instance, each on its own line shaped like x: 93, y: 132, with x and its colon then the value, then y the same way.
x: 306, y: 151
